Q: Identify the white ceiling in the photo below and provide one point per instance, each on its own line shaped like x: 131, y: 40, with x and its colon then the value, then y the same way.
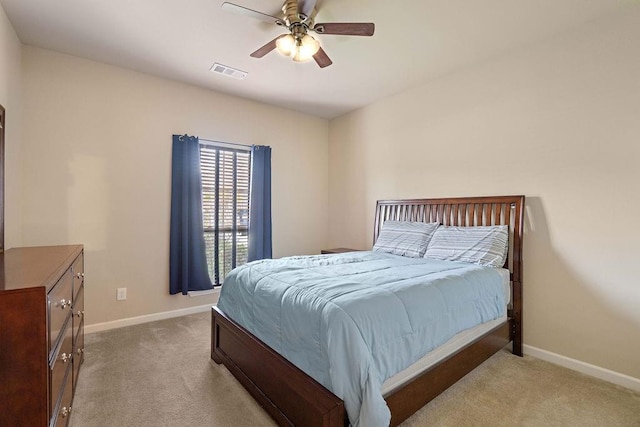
x: 415, y: 41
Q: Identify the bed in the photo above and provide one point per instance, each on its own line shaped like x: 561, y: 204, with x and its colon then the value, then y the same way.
x: 291, y: 397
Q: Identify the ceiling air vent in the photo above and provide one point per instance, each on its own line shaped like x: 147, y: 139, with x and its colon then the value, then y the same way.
x: 225, y: 70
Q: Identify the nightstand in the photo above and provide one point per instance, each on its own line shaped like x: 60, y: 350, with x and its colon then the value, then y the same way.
x: 338, y: 250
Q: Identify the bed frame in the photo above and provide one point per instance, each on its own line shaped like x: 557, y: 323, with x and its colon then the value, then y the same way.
x: 291, y: 397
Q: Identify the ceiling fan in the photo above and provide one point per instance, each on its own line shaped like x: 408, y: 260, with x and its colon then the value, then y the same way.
x: 298, y: 18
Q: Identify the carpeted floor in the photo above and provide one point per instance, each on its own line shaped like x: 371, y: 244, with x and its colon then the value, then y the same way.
x: 160, y: 374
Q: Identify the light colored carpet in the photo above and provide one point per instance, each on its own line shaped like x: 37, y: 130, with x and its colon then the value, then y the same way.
x: 160, y: 374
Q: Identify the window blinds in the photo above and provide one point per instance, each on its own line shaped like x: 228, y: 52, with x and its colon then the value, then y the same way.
x: 225, y: 208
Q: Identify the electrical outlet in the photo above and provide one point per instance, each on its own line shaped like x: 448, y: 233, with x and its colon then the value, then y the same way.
x: 121, y: 294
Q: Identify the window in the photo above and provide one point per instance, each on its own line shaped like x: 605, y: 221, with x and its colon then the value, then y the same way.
x: 225, y: 207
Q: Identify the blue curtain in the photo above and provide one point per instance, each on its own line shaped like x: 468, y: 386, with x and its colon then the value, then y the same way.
x: 188, y: 261
x: 260, y: 204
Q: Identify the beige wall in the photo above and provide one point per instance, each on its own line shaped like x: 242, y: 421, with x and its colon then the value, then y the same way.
x: 10, y: 98
x: 97, y: 170
x: 558, y: 122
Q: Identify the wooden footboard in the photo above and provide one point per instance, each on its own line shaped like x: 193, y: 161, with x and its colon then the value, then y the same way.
x: 405, y: 401
x: 289, y: 395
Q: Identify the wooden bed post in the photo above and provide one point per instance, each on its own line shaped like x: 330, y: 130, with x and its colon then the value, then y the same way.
x: 516, y: 315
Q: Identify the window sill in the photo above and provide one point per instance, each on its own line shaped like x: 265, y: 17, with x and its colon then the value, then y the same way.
x: 214, y: 291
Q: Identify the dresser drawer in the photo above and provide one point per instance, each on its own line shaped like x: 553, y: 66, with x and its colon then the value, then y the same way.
x: 78, y: 355
x: 59, y: 299
x: 78, y: 310
x: 78, y: 274
x: 60, y: 365
x: 63, y: 410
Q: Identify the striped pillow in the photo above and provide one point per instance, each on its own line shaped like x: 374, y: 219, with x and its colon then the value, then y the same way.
x: 405, y: 238
x: 485, y: 245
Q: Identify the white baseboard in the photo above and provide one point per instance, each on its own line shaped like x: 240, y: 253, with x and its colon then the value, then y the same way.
x: 585, y: 368
x: 97, y: 327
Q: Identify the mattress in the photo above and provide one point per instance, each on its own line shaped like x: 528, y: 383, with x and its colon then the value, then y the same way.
x: 454, y: 344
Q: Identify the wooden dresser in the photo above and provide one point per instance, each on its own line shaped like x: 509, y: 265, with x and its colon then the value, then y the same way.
x: 41, y: 333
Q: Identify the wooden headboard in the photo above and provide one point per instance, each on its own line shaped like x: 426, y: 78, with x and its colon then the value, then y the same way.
x: 462, y: 212
x: 469, y: 212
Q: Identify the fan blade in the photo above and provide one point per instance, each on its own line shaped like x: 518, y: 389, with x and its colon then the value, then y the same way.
x: 305, y: 7
x: 346, y: 28
x: 265, y: 49
x: 241, y: 10
x: 322, y: 59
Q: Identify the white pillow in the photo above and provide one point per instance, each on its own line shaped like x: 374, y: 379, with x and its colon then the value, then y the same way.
x: 484, y: 245
x: 405, y: 238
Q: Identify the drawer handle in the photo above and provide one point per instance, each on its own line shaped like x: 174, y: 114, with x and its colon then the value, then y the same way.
x: 80, y: 313
x: 65, y: 357
x: 65, y: 411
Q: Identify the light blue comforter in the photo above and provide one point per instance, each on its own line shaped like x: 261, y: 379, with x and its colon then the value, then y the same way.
x: 353, y: 320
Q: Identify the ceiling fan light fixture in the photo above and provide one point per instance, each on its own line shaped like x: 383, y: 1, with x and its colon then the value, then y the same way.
x: 310, y: 44
x: 286, y: 45
x: 305, y: 48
